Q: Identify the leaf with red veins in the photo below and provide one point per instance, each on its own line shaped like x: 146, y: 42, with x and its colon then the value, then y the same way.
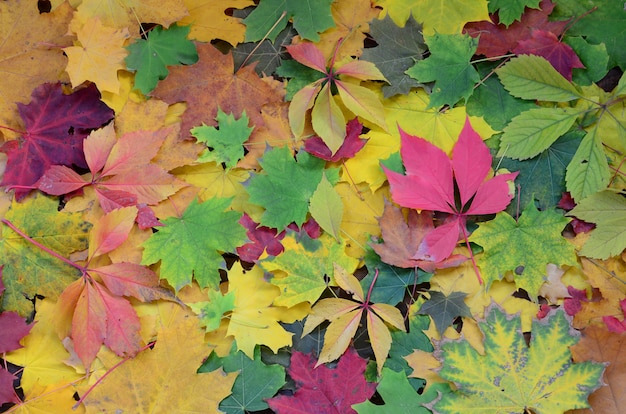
x: 88, y: 320
x: 130, y: 279
x: 133, y: 151
x: 13, y: 328
x: 351, y: 145
x: 111, y: 230
x: 7, y: 393
x: 113, y: 199
x: 150, y: 184
x: 261, y: 239
x: 309, y: 55
x: 497, y: 39
x: 59, y: 180
x: 548, y: 46
x: 56, y: 125
x: 322, y: 389
x: 430, y: 182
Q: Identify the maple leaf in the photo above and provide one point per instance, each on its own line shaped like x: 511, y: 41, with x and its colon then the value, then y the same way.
x: 322, y: 389
x: 270, y: 17
x: 350, y: 146
x: 345, y: 316
x: 65, y: 233
x: 256, y: 383
x: 401, y: 239
x: 449, y: 67
x: 56, y: 125
x: 512, y: 376
x: 294, y: 179
x: 226, y: 142
x: 204, y: 25
x: 497, y: 39
x: 14, y: 328
x: 430, y: 170
x: 172, y: 364
x: 509, y: 11
x: 445, y: 309
x: 149, y: 58
x: 262, y: 239
x: 7, y: 393
x: 607, y: 210
x: 327, y: 119
x: 215, y: 86
x: 399, y: 396
x: 508, y: 244
x: 97, y: 55
x: 23, y: 48
x: 203, y: 227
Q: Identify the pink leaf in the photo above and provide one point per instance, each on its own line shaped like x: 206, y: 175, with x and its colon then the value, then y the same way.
x: 59, y: 180
x: 438, y: 244
x: 351, y: 145
x: 146, y: 218
x: 113, y: 199
x: 493, y: 195
x: 122, y: 324
x: 130, y: 279
x: 13, y: 328
x: 111, y: 230
x: 309, y: 55
x: 7, y: 393
x: 362, y: 70
x: 471, y: 162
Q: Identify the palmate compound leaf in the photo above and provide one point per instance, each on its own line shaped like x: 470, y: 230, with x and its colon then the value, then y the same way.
x: 190, y: 245
x: 150, y: 57
x: 608, y: 211
x: 345, y: 316
x: 255, y: 383
x: 321, y: 389
x: 533, y: 241
x: 295, y: 180
x: 514, y: 377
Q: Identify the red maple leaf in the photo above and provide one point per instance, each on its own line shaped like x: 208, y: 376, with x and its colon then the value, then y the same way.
x: 455, y: 186
x: 261, y: 239
x: 322, y: 389
x: 13, y: 328
x: 7, y: 393
x: 497, y: 39
x: 547, y: 45
x: 613, y: 324
x: 574, y: 303
x: 56, y: 125
x: 350, y: 146
x: 567, y: 203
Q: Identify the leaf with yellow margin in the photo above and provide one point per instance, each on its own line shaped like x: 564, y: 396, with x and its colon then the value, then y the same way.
x: 97, y: 55
x: 254, y: 320
x: 209, y: 22
x: 446, y: 17
x: 163, y: 377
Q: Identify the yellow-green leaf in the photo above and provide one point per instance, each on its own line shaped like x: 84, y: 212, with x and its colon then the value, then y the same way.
x: 362, y: 102
x: 326, y: 208
x: 588, y: 171
x: 328, y: 120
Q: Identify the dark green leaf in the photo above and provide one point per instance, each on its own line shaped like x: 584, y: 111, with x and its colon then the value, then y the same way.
x: 445, y: 309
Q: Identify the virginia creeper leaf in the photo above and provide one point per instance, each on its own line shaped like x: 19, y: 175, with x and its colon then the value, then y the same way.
x: 449, y: 67
x: 294, y: 179
x: 445, y: 309
x: 190, y: 244
x: 323, y: 389
x: 608, y: 211
x: 514, y: 377
x: 326, y: 208
x: 532, y: 241
x: 150, y: 57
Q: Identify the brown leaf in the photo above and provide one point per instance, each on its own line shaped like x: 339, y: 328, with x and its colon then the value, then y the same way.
x: 600, y: 345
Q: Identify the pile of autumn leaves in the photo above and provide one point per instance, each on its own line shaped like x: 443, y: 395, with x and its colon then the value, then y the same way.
x: 135, y: 258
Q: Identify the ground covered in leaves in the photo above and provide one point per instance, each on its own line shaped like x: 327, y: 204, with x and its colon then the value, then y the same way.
x: 290, y: 206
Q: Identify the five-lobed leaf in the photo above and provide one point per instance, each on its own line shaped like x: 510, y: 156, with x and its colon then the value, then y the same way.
x: 445, y: 309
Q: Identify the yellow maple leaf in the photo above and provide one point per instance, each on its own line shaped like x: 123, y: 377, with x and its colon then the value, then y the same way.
x: 208, y: 20
x: 53, y: 398
x: 161, y: 379
x: 254, y: 320
x: 445, y: 17
x: 345, y: 316
x: 97, y: 55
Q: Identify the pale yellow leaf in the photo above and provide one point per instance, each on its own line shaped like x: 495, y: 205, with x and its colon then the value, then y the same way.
x: 338, y: 336
x: 209, y: 21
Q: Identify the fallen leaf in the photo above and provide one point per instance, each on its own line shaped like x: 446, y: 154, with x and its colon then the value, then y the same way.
x: 208, y: 20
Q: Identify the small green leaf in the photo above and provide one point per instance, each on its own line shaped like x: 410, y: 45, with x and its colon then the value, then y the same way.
x: 513, y: 378
x: 533, y: 77
x: 533, y: 131
x: 525, y: 246
x: 151, y: 57
x: 588, y: 172
x: 326, y: 208
x: 404, y: 343
x: 449, y: 67
x: 511, y: 10
x: 608, y: 211
x: 444, y: 309
x: 211, y: 312
x: 594, y: 57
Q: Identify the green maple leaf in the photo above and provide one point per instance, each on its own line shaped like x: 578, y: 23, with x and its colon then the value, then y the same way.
x: 191, y: 244
x: 444, y: 309
x: 398, y: 49
x: 511, y: 10
x: 210, y: 313
x: 543, y: 178
x: 310, y: 17
x: 404, y: 343
x: 28, y: 270
x: 400, y: 397
x: 286, y: 186
x: 164, y: 47
x: 256, y: 380
x: 608, y: 211
x: 532, y: 242
x: 593, y: 57
x: 226, y: 140
x: 513, y: 377
x: 449, y: 67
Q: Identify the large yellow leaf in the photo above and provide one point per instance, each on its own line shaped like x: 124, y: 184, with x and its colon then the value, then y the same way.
x: 208, y: 20
x: 54, y: 398
x: 436, y: 15
x: 160, y: 379
x: 97, y: 55
x: 364, y: 167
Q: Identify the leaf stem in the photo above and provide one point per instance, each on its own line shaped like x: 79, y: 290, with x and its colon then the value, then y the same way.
x: 263, y: 39
x: 369, y: 291
x: 467, y: 243
x: 42, y: 247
